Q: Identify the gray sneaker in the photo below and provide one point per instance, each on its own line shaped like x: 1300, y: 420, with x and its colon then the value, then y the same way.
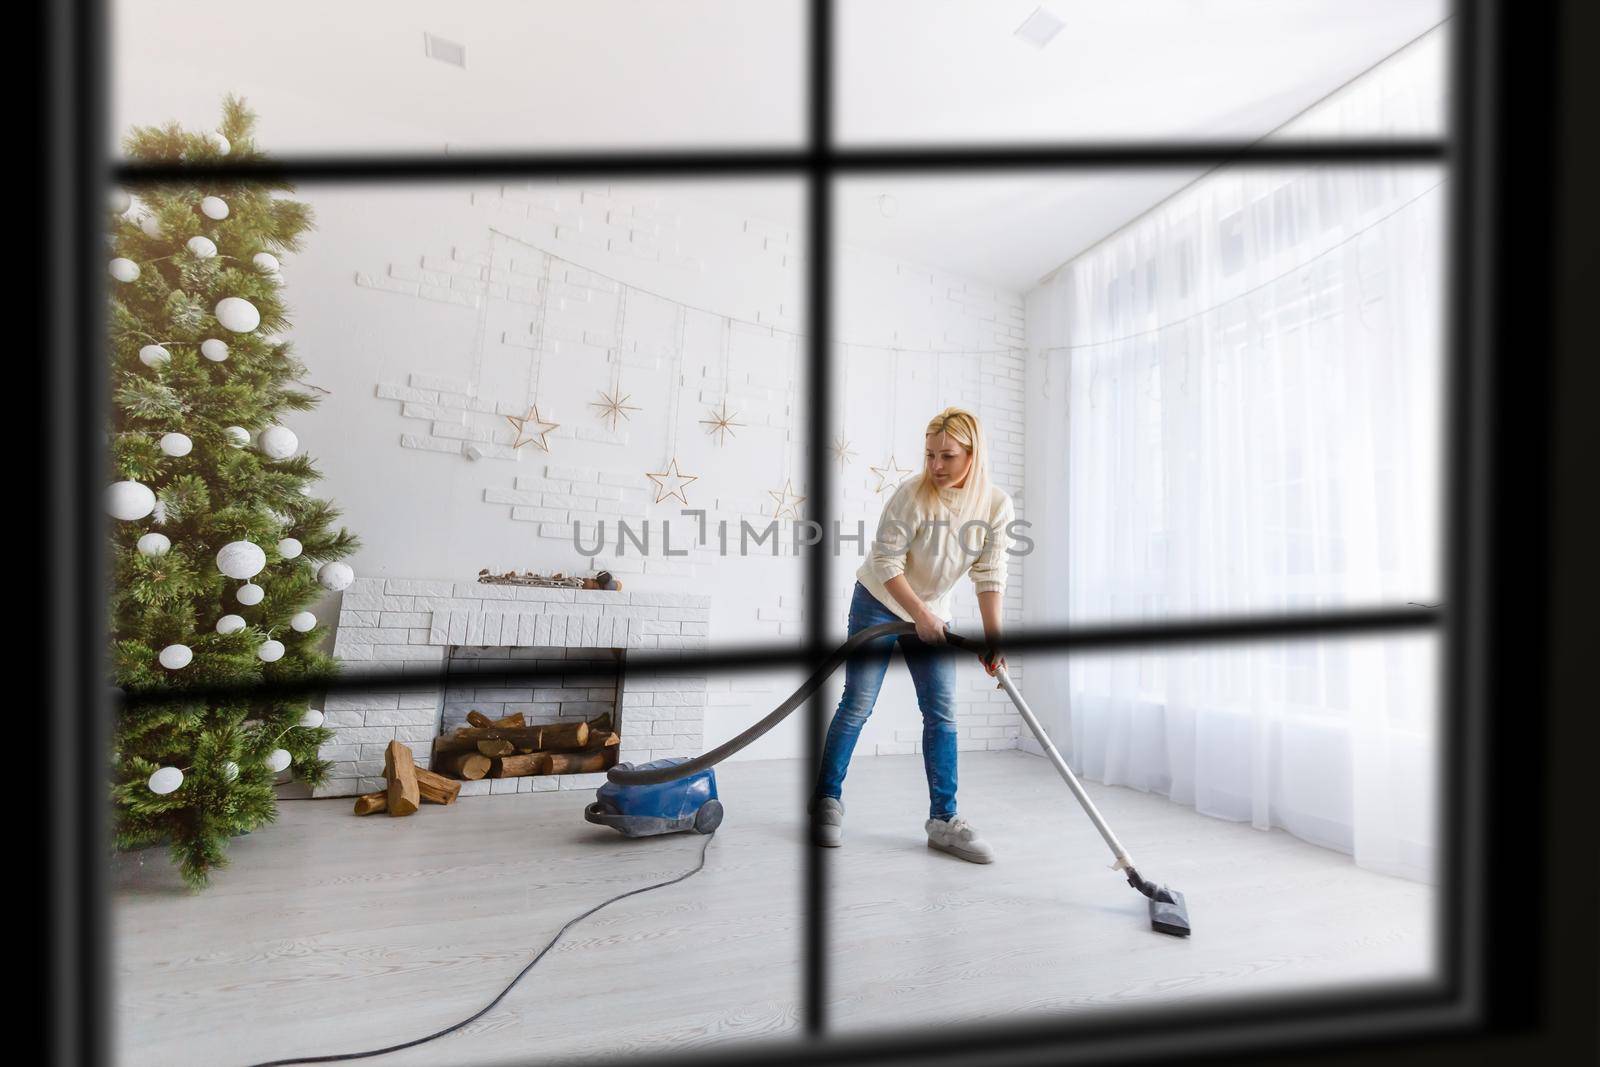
x: 827, y: 821
x: 959, y: 838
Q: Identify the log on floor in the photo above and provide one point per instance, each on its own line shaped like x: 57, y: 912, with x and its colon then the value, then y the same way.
x: 400, y: 767
x: 372, y: 803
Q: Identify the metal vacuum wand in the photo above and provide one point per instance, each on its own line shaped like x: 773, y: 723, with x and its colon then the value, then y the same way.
x: 1168, y: 913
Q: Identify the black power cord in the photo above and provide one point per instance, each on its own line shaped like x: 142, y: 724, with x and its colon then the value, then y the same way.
x: 481, y: 1012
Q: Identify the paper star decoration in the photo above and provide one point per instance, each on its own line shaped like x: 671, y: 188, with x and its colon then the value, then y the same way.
x: 889, y: 475
x: 842, y: 453
x: 531, y: 427
x: 611, y: 406
x: 787, y: 500
x: 721, y: 422
x: 671, y: 481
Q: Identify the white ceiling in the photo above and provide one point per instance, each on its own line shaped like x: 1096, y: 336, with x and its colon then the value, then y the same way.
x: 347, y: 76
x: 340, y: 76
x: 923, y: 70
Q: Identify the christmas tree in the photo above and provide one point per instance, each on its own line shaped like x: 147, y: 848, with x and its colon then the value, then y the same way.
x: 216, y: 549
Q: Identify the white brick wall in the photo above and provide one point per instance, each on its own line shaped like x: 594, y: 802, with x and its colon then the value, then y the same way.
x: 439, y: 340
x: 429, y: 622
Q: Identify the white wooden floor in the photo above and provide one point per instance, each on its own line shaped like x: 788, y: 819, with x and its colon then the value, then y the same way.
x: 331, y: 933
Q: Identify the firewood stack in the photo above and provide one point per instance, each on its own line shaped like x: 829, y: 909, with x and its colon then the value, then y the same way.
x: 491, y: 748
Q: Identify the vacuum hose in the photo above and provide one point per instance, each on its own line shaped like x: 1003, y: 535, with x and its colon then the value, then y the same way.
x: 624, y: 775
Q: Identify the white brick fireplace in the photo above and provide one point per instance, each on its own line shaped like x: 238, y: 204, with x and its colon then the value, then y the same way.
x: 414, y: 627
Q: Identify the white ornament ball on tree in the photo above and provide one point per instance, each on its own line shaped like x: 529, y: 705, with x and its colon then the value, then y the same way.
x: 303, y: 622
x: 214, y: 207
x: 249, y: 594
x: 270, y: 651
x: 311, y: 719
x: 219, y: 143
x: 176, y: 657
x: 237, y: 314
x: 265, y: 262
x: 230, y: 770
x: 129, y: 501
x: 278, y: 760
x: 154, y: 356
x: 238, y: 436
x: 278, y: 442
x: 230, y: 624
x: 124, y: 270
x: 151, y: 226
x: 214, y: 350
x: 176, y: 444
x: 154, y: 544
x: 290, y: 548
x: 335, y: 576
x: 201, y: 247
x: 241, y: 559
x: 165, y: 780
x: 118, y: 200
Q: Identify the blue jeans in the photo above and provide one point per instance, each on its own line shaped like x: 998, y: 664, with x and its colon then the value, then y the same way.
x: 933, y: 673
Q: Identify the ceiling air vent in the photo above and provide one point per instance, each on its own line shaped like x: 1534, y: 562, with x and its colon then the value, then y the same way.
x: 1039, y: 28
x: 445, y: 51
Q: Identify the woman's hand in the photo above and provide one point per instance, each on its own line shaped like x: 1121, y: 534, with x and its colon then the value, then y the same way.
x: 930, y: 628
x: 993, y: 662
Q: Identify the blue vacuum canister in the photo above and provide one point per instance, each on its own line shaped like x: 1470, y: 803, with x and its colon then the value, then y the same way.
x: 687, y: 803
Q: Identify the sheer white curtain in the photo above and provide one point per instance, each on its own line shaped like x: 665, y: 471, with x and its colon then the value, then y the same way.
x: 1251, y: 378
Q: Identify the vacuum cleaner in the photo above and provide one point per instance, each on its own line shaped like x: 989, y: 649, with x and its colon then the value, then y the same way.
x: 687, y: 803
x: 628, y: 788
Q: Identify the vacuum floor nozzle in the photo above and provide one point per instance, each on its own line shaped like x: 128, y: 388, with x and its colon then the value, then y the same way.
x: 1168, y: 913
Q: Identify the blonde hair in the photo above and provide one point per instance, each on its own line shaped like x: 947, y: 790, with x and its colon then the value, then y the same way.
x: 962, y: 427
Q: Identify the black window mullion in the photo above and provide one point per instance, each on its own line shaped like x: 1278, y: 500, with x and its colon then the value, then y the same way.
x: 819, y: 382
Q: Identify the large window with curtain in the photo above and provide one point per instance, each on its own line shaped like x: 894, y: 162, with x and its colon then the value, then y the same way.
x: 1252, y: 374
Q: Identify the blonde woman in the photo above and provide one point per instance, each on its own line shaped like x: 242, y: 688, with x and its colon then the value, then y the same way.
x: 948, y: 522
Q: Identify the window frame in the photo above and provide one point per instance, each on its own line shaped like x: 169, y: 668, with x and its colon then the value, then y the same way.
x: 1467, y: 151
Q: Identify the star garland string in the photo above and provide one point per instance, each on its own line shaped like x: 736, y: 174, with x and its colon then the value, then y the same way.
x: 786, y: 500
x: 533, y: 426
x: 721, y: 423
x: 671, y: 481
x: 614, y: 404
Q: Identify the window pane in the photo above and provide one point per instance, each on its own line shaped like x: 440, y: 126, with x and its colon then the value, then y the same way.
x: 486, y: 365
x: 1220, y: 398
x: 1251, y: 379
x: 478, y: 76
x: 965, y: 71
x: 343, y: 915
x: 1286, y: 789
x: 463, y: 372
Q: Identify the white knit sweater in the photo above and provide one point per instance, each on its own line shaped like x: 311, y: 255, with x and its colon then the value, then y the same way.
x: 925, y: 549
